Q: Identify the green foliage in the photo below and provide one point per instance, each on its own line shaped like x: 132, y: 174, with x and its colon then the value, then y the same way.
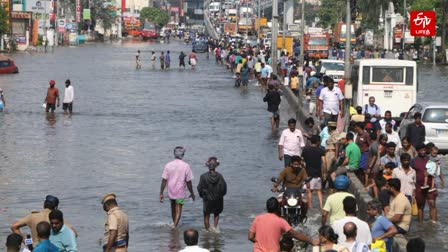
x: 4, y: 28
x: 155, y: 15
x: 331, y: 11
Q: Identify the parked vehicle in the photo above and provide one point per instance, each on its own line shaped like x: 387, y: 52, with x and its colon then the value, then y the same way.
x: 7, y: 66
x: 317, y: 45
x: 333, y: 68
x: 150, y: 31
x: 392, y: 82
x: 435, y: 119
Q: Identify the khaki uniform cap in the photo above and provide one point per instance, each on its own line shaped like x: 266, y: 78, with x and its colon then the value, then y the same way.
x: 107, y: 197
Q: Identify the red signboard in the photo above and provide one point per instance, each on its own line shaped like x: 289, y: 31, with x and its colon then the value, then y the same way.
x: 423, y: 23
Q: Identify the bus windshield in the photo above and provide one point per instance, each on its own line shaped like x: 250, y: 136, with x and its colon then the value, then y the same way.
x: 333, y: 66
x: 387, y: 74
x: 149, y: 26
x: 318, y: 41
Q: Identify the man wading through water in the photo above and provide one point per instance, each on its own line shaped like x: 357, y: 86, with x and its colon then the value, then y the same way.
x: 177, y: 174
x: 211, y: 188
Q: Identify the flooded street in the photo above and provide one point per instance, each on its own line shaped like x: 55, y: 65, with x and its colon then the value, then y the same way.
x: 125, y: 125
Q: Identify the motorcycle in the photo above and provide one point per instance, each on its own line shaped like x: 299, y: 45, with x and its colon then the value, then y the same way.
x: 293, y: 207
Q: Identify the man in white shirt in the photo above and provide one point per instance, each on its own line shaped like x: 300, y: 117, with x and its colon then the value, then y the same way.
x: 291, y: 142
x: 363, y: 229
x: 69, y: 96
x: 330, y: 102
x: 191, y: 238
x: 392, y: 136
x: 352, y: 243
x: 269, y: 69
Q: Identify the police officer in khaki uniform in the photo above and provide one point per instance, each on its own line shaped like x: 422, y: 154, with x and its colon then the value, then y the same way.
x: 32, y: 219
x: 116, y: 228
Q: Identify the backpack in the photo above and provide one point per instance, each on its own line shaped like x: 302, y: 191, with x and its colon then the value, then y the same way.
x: 366, y: 107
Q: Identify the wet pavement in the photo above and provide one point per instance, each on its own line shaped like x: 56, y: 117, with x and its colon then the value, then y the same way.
x: 125, y: 125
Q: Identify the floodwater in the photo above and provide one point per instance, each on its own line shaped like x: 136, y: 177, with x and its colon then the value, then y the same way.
x: 125, y: 126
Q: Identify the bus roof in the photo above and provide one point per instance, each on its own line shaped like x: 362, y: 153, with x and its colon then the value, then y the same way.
x: 385, y: 62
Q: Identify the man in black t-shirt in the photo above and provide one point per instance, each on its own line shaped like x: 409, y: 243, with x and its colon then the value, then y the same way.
x: 314, y: 158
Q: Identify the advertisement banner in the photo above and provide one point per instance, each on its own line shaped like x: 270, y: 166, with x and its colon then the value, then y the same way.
x: 86, y: 14
x: 40, y: 6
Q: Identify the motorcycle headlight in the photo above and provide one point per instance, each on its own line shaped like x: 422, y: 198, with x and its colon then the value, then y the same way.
x: 292, y: 201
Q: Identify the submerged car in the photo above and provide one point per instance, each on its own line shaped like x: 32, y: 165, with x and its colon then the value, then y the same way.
x: 435, y: 119
x: 7, y: 66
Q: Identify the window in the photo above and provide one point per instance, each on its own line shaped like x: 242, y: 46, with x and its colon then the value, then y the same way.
x: 334, y: 66
x: 366, y: 75
x: 4, y: 63
x: 317, y: 41
x: 388, y: 74
x: 17, y: 2
x: 409, y: 76
x: 436, y: 115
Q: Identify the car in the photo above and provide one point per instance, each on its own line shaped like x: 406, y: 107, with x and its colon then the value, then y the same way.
x: 435, y: 119
x: 7, y: 66
x: 333, y: 68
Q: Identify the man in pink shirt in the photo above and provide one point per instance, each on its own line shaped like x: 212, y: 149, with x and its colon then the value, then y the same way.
x: 177, y: 174
x: 267, y: 230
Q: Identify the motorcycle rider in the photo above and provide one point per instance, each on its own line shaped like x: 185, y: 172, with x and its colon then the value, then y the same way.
x: 291, y: 178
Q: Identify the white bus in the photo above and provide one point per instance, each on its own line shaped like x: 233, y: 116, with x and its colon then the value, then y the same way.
x: 393, y: 83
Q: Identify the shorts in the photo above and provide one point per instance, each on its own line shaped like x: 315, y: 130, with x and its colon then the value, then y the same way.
x: 275, y: 114
x: 179, y: 201
x: 316, y: 183
x: 51, y: 106
x: 68, y: 106
x: 213, y: 206
x: 245, y: 82
x: 421, y: 196
x: 284, y: 71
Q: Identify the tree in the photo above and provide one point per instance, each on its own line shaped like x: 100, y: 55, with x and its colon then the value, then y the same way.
x: 4, y: 27
x: 154, y: 15
x: 331, y: 11
x: 444, y: 32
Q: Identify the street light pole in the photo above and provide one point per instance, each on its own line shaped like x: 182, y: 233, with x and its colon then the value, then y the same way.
x: 247, y: 21
x: 284, y: 26
x: 258, y: 26
x: 302, y: 36
x: 274, y: 36
x: 404, y: 26
x: 348, y: 94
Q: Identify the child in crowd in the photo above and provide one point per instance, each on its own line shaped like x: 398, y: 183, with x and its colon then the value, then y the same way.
x: 138, y: 60
x: 387, y: 173
x: 433, y: 170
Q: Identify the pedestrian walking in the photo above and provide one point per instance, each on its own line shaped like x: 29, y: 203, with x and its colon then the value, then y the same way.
x: 2, y: 100
x: 176, y: 176
x: 167, y: 60
x: 116, y: 227
x: 138, y: 60
x: 182, y: 60
x: 69, y: 95
x: 162, y: 60
x: 192, y: 59
x: 212, y: 188
x: 52, y: 97
x: 153, y: 60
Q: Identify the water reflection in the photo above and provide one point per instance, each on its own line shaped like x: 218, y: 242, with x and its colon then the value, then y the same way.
x: 213, y: 241
x: 174, y: 243
x: 51, y: 119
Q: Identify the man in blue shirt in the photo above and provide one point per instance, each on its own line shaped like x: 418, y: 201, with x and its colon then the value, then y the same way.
x: 61, y: 236
x: 43, y: 232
